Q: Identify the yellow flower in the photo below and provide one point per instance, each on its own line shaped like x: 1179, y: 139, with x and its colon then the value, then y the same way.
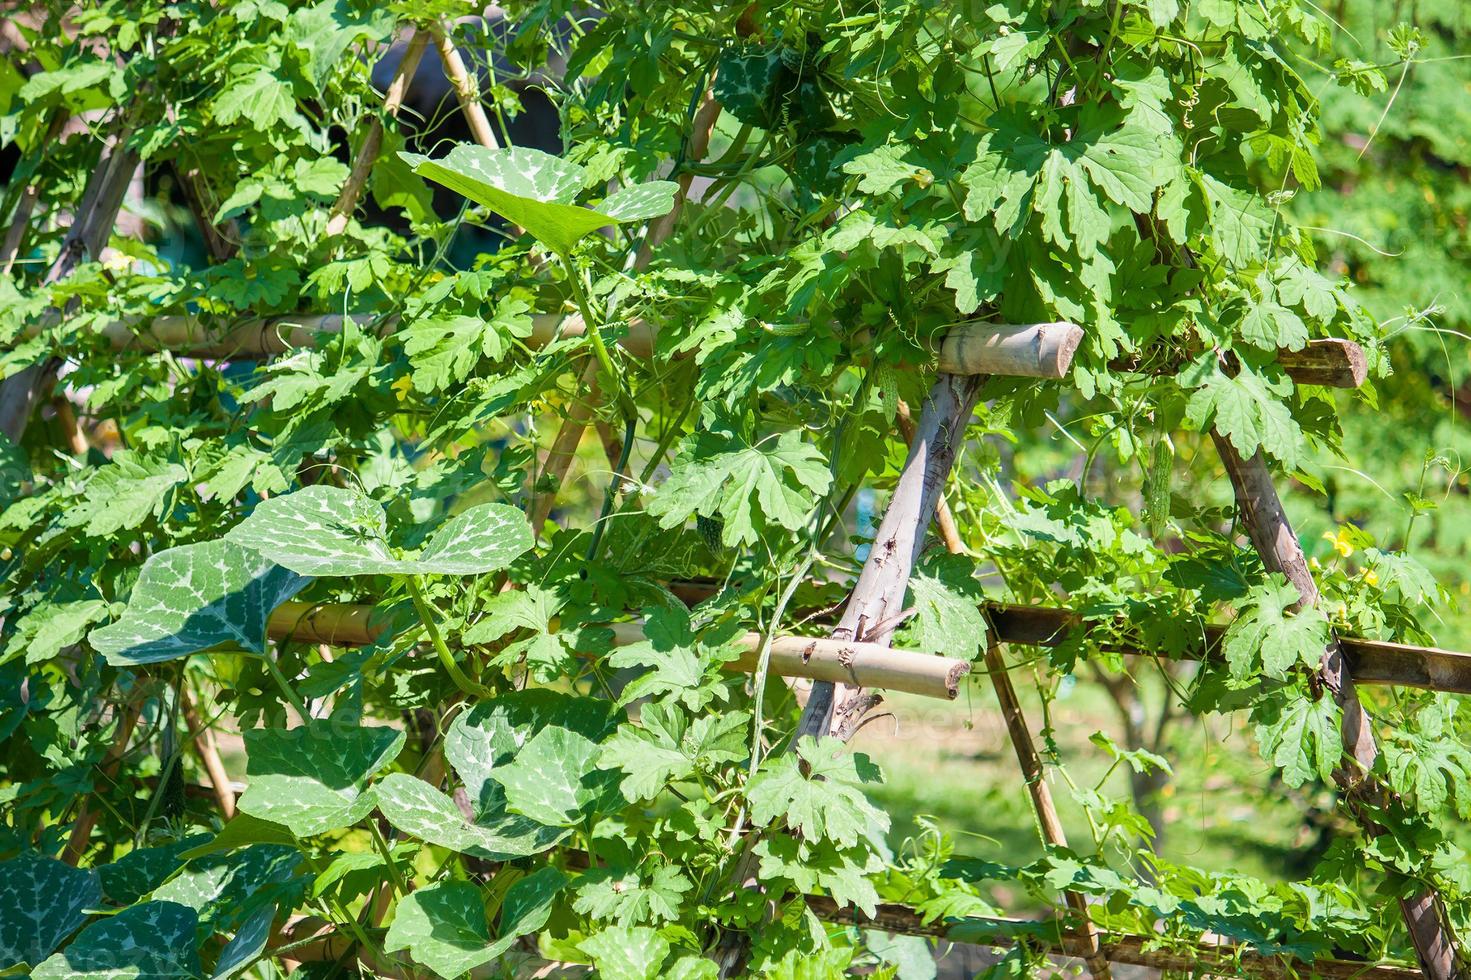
x: 1371, y: 576
x: 402, y: 385
x: 1341, y: 542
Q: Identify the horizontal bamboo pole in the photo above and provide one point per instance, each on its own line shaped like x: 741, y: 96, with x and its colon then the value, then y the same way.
x: 818, y: 658
x: 1370, y: 661
x: 311, y: 940
x: 1222, y: 959
x: 1038, y: 350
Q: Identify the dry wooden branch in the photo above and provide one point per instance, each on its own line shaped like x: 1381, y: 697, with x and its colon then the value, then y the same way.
x: 81, y: 832
x: 1201, y: 958
x: 878, y: 595
x: 1276, y: 542
x: 1048, y: 821
x: 203, y: 741
x: 1333, y: 363
x: 367, y: 156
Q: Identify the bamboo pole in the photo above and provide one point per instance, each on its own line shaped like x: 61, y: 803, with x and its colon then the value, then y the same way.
x: 818, y: 658
x: 1155, y: 952
x: 203, y: 741
x: 1332, y: 362
x: 1048, y: 821
x: 1276, y: 542
x: 367, y: 155
x: 81, y: 832
x: 466, y: 88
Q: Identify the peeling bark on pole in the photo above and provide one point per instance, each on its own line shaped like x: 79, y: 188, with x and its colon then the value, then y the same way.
x: 878, y: 595
x: 1275, y: 541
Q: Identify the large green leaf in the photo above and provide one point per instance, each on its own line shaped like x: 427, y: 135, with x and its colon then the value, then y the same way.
x: 216, y: 885
x: 41, y: 901
x: 152, y: 941
x: 527, y: 906
x: 323, y: 530
x: 554, y: 779
x: 309, y: 779
x: 535, y: 190
x: 195, y: 598
x: 420, y: 810
x: 490, y: 734
x: 443, y: 926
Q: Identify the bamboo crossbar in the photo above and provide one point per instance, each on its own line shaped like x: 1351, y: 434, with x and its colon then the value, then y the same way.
x: 1372, y: 661
x: 817, y: 658
x: 1036, y: 350
x: 1222, y: 959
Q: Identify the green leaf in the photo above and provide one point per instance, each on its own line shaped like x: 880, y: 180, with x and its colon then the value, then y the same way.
x: 752, y: 487
x: 623, y: 953
x: 555, y: 781
x: 665, y: 747
x: 51, y: 627
x: 242, y: 831
x: 195, y: 598
x: 1267, y: 635
x: 535, y: 190
x: 420, y: 810
x: 824, y: 802
x: 490, y: 734
x: 125, y: 493
x: 217, y: 885
x: 42, y: 901
x: 527, y: 907
x: 624, y: 896
x: 259, y: 98
x: 1270, y: 325
x: 152, y: 941
x: 246, y: 946
x: 323, y: 530
x: 947, y: 601
x: 680, y: 662
x: 309, y: 779
x: 885, y: 168
x: 443, y: 926
x: 1300, y: 735
x: 445, y: 350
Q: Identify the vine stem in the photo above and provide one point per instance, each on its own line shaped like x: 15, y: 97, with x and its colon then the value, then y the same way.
x: 382, y: 845
x: 427, y: 616
x: 287, y: 691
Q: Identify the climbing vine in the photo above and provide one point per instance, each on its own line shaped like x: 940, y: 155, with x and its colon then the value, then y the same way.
x: 405, y: 528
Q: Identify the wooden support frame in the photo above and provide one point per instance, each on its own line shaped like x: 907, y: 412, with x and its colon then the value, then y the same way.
x: 1266, y: 523
x: 1049, y: 822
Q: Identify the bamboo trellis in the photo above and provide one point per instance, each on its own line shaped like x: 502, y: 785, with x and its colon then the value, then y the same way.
x: 858, y: 655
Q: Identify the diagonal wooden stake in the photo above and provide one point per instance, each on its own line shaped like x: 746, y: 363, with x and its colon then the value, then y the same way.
x: 465, y: 85
x: 367, y: 156
x: 95, y: 216
x: 878, y: 595
x: 1020, y: 733
x: 1271, y: 533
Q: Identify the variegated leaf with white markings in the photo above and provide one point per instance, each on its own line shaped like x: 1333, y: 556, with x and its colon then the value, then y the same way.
x: 195, y: 598
x: 325, y: 531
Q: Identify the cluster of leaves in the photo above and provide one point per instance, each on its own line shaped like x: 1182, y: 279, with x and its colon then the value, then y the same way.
x: 492, y: 780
